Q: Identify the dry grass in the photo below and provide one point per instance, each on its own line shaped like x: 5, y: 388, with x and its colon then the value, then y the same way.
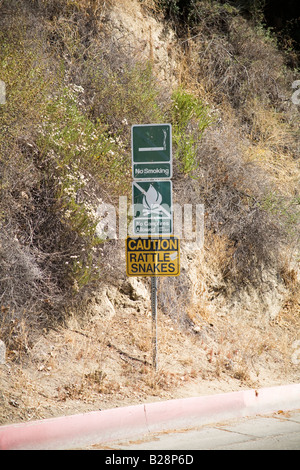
x: 106, y: 362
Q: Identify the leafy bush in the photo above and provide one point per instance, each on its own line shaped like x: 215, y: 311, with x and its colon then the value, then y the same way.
x: 177, y: 10
x: 49, y: 150
x: 168, y: 7
x: 190, y: 118
x: 64, y: 143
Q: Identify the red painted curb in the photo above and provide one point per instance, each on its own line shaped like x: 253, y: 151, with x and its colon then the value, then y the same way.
x: 69, y: 432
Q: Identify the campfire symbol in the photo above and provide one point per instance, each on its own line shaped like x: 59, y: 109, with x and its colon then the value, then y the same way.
x: 152, y: 201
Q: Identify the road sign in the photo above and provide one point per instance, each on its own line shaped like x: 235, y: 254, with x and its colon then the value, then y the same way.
x: 151, y: 146
x: 152, y: 256
x: 152, y: 204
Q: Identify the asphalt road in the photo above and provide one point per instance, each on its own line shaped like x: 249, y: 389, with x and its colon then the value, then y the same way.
x: 279, y: 431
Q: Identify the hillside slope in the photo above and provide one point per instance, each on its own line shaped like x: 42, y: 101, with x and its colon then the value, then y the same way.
x: 77, y: 330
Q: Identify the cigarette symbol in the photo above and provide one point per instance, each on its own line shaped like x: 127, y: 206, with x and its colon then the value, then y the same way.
x: 156, y: 149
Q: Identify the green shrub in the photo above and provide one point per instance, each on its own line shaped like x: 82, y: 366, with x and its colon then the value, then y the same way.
x: 169, y: 7
x: 286, y: 210
x: 190, y: 118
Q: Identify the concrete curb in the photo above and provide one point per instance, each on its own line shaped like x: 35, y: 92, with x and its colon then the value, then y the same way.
x: 76, y: 431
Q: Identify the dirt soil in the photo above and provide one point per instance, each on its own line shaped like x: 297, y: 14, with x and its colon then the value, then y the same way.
x: 105, y: 360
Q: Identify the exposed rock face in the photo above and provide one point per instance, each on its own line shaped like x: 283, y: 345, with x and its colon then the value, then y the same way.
x: 148, y: 38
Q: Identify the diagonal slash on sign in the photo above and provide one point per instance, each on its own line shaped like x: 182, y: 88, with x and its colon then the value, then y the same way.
x: 168, y: 214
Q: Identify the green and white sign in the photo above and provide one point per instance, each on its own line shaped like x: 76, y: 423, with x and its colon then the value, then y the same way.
x: 152, y: 203
x: 151, y: 146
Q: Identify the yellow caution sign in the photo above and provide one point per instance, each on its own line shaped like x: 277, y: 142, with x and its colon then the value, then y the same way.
x: 152, y: 256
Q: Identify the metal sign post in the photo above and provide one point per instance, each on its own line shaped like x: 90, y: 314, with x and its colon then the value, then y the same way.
x: 154, y: 320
